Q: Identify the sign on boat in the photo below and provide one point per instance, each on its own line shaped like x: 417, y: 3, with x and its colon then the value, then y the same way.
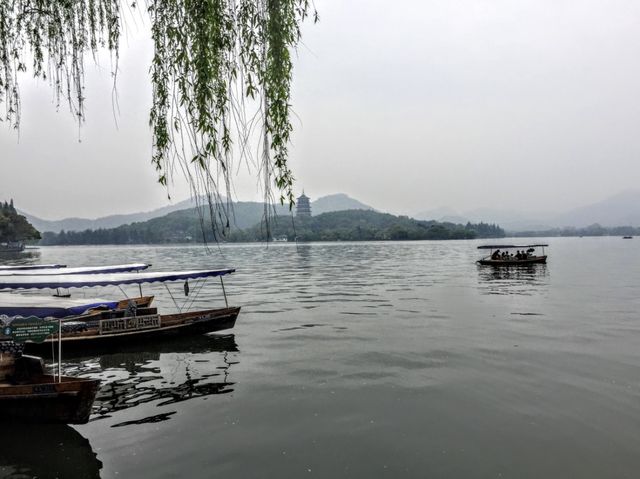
x: 31, y: 328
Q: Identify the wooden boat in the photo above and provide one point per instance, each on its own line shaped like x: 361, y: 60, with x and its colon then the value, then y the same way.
x: 627, y: 237
x: 130, y: 323
x: 115, y: 328
x: 495, y: 260
x: 28, y: 395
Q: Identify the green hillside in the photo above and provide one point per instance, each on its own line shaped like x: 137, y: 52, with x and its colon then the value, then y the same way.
x: 368, y: 225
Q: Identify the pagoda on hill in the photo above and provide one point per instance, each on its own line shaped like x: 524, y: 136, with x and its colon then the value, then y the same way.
x: 303, y: 206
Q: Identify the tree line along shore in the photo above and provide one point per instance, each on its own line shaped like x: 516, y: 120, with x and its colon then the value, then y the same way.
x: 187, y: 226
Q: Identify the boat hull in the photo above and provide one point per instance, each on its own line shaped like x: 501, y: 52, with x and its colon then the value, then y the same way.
x: 513, y: 262
x: 47, y: 401
x: 196, y: 322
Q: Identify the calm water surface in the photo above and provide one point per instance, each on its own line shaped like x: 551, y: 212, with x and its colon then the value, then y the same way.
x: 368, y: 360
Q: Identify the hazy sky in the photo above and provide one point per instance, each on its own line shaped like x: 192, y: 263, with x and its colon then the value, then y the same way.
x: 406, y: 106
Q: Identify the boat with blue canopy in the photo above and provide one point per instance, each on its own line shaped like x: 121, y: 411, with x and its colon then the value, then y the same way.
x: 114, y: 268
x: 99, y: 322
x: 26, y: 267
x: 502, y: 255
x: 15, y: 282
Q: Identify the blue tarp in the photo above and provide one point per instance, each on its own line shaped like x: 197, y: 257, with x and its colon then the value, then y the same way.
x: 45, y: 307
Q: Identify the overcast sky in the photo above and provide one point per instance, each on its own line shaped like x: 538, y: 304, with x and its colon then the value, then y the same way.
x: 406, y: 106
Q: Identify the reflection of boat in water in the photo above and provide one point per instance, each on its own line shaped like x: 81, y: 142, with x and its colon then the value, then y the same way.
x: 164, y: 373
x: 46, y: 450
x: 496, y: 259
x: 20, y: 256
x: 521, y: 280
x: 117, y: 325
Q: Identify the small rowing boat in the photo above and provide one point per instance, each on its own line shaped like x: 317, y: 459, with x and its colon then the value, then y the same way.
x: 28, y: 395
x: 499, y: 255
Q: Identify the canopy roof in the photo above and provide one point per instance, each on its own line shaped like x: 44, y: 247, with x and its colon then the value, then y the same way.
x: 109, y: 279
x: 45, y: 307
x: 25, y: 267
x: 115, y: 268
x: 510, y: 246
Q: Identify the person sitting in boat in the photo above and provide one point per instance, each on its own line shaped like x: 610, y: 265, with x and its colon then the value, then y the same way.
x: 518, y: 255
x: 524, y: 255
x: 496, y: 254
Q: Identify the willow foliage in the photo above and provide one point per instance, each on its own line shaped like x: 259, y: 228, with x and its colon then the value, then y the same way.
x: 221, y: 77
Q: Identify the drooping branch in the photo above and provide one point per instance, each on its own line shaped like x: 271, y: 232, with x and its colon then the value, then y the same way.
x: 214, y: 62
x: 54, y: 36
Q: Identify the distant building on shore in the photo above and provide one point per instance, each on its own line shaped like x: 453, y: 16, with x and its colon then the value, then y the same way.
x: 303, y: 206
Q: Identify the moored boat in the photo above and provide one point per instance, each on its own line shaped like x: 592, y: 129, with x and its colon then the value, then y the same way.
x: 527, y: 257
x: 28, y: 395
x: 134, y: 322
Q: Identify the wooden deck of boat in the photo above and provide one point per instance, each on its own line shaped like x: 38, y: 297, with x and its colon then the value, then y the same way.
x: 45, y: 400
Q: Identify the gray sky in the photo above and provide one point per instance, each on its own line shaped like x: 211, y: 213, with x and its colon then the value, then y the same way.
x: 406, y: 105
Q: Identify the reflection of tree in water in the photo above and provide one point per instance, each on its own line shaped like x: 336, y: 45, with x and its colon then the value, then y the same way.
x: 46, y: 450
x: 523, y: 280
x: 164, y: 373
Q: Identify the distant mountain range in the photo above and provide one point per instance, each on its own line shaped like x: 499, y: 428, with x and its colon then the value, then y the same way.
x: 245, y: 214
x: 337, y: 202
x: 619, y: 210
x: 622, y: 209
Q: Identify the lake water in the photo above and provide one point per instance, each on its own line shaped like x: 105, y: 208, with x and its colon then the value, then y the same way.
x: 367, y: 360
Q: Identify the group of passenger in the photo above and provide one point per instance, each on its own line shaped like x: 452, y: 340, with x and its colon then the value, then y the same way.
x: 505, y: 255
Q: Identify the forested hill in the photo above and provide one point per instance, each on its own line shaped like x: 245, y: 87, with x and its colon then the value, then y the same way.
x: 352, y: 225
x: 361, y: 225
x: 14, y: 226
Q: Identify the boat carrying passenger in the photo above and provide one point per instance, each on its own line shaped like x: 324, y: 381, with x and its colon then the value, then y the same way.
x: 502, y: 255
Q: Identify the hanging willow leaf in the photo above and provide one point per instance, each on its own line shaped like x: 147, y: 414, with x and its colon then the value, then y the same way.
x: 213, y: 61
